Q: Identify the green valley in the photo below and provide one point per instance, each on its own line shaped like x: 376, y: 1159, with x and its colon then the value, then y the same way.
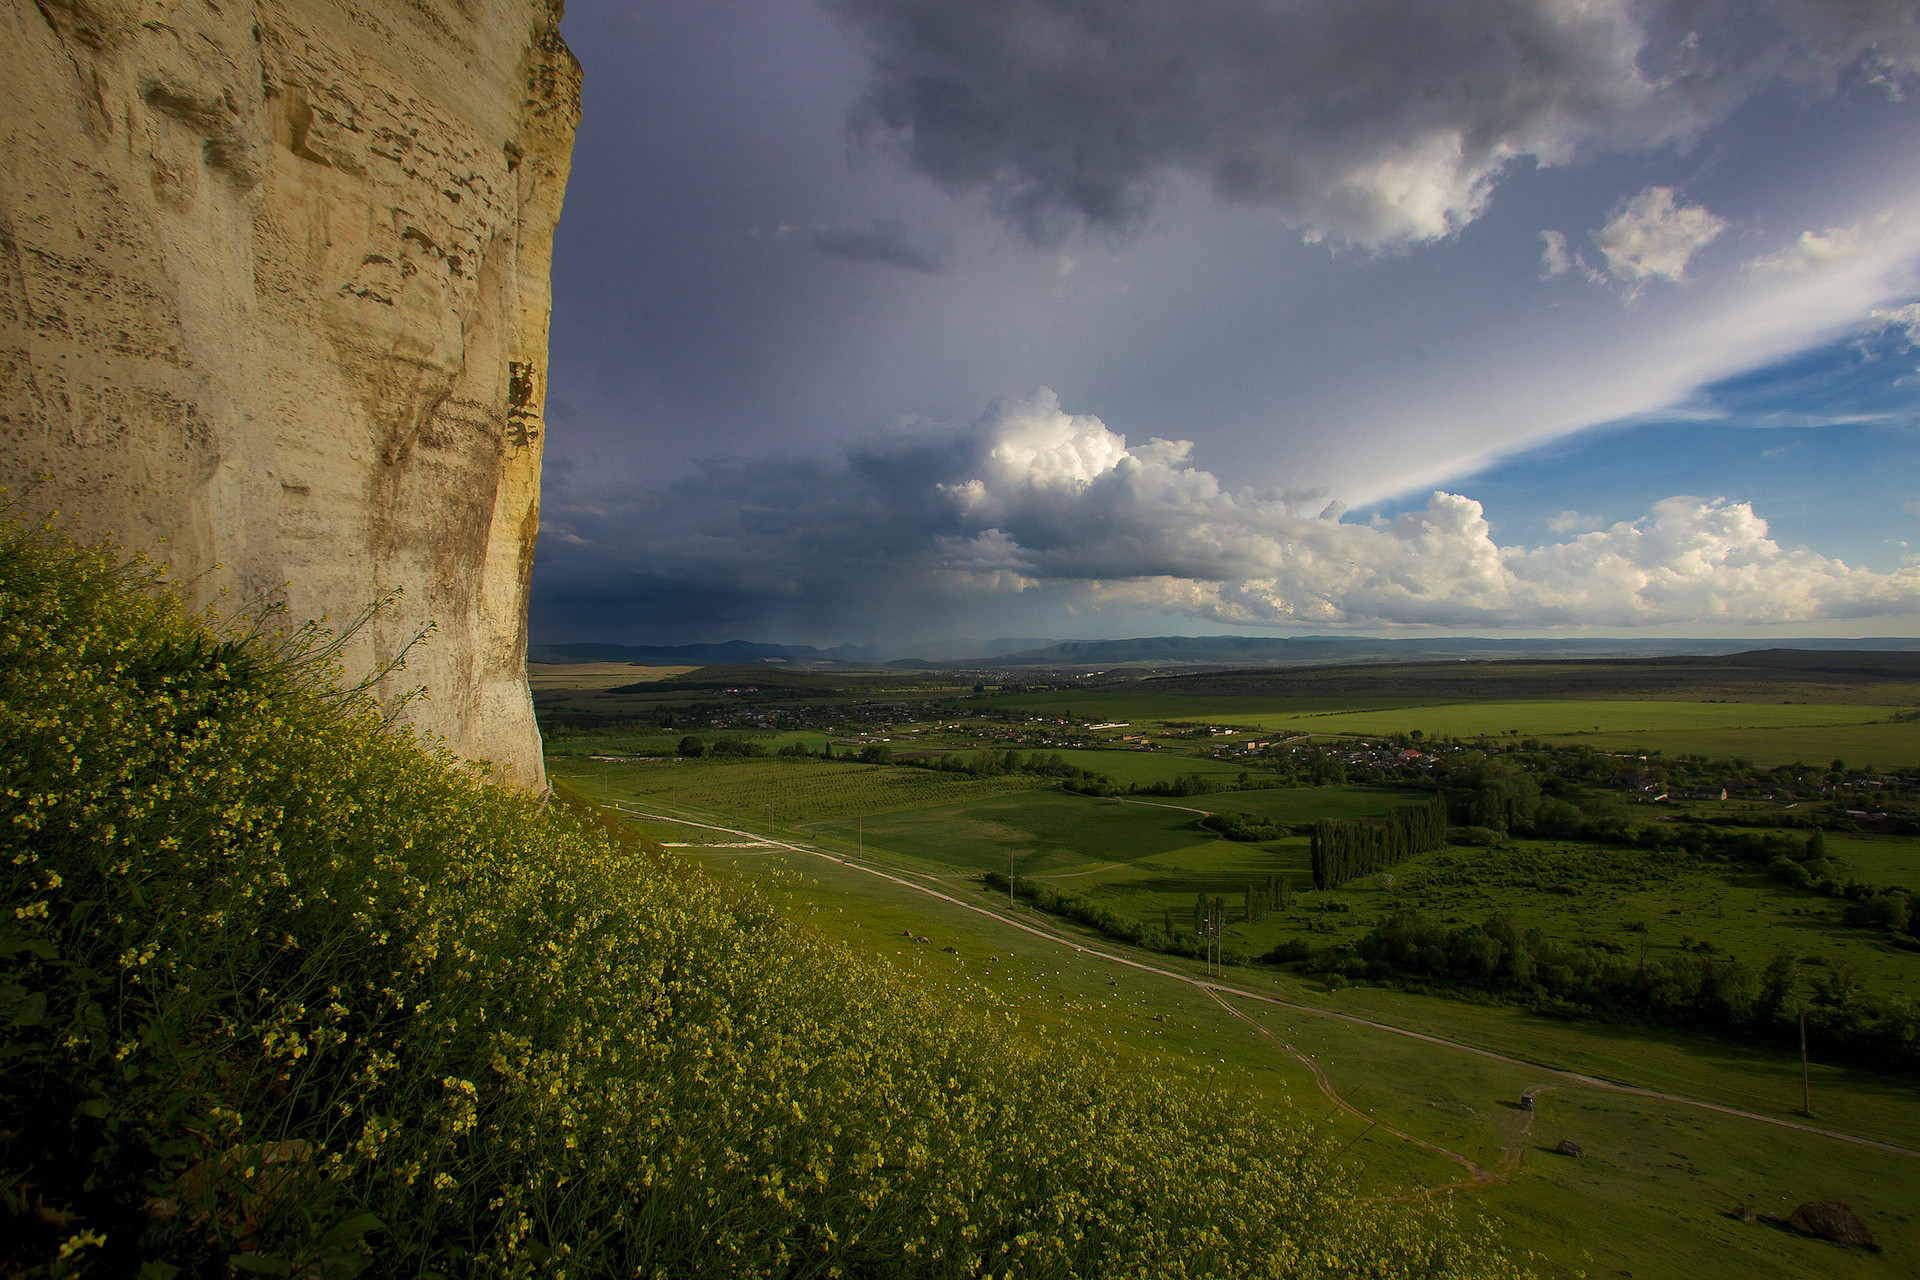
x: 1643, y: 866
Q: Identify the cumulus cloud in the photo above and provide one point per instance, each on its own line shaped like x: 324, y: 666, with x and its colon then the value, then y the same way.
x: 1367, y: 121
x: 885, y: 241
x: 939, y: 523
x: 1568, y: 521
x: 1654, y: 238
x: 1906, y: 318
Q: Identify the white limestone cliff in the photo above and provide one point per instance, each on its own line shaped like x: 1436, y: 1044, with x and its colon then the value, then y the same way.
x: 273, y: 309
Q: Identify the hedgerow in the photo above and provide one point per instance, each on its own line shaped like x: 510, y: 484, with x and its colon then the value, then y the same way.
x: 284, y: 992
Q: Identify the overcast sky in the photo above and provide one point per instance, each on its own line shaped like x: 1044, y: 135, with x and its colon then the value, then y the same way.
x: 912, y: 321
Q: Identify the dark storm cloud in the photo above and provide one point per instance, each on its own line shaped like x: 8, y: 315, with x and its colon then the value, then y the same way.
x: 1370, y: 121
x: 778, y: 544
x: 913, y: 532
x: 886, y: 241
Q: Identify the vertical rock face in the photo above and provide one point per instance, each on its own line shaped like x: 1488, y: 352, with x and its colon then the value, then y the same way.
x: 273, y: 308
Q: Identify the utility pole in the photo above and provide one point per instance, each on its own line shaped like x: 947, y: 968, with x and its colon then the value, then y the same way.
x: 1806, y: 1082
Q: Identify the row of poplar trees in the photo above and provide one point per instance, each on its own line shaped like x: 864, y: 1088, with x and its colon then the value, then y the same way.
x: 1347, y: 848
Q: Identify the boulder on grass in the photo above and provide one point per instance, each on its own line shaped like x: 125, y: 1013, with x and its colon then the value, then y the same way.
x: 1830, y: 1220
x: 1567, y: 1148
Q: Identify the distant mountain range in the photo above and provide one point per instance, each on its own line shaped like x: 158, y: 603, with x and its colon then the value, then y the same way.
x: 1158, y: 652
x: 726, y: 653
x: 1213, y: 651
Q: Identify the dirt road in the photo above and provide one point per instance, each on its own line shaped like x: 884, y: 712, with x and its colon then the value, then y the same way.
x: 1217, y: 990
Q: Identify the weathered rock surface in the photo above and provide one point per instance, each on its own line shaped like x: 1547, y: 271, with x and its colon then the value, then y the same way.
x: 273, y: 308
x: 1830, y: 1220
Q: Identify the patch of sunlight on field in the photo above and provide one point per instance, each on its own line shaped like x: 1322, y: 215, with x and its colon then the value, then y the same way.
x: 1532, y: 718
x: 1879, y: 860
x: 1886, y: 745
x: 780, y: 790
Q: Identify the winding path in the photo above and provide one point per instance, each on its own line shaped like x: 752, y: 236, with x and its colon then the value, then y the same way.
x: 1478, y: 1176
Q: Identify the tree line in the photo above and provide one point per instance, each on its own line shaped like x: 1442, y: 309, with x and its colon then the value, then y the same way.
x: 1344, y: 849
x: 1702, y: 990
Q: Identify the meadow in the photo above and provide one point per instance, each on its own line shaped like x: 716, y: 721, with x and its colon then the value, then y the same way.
x: 285, y: 993
x: 1135, y: 766
x: 1880, y: 859
x: 1563, y: 717
x: 1656, y: 1192
x: 1884, y: 744
x: 779, y: 790
x: 1653, y: 1195
x: 1148, y: 858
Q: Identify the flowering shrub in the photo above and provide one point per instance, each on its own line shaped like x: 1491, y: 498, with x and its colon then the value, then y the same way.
x: 283, y: 992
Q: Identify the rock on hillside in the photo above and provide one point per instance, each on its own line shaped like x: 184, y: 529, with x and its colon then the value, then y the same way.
x: 273, y: 308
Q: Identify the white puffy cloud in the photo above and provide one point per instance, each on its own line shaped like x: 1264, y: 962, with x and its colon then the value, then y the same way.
x: 1653, y: 238
x: 1907, y: 318
x: 1569, y: 521
x: 1031, y: 499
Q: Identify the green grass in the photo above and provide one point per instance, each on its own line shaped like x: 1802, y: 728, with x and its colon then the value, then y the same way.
x: 1604, y: 897
x: 1046, y: 830
x: 1879, y: 860
x: 1652, y: 1196
x: 1772, y: 717
x: 1559, y: 718
x: 1140, y: 708
x: 1306, y: 804
x: 1163, y: 765
x: 1887, y: 745
x: 1652, y: 1193
x: 790, y: 790
x: 285, y: 994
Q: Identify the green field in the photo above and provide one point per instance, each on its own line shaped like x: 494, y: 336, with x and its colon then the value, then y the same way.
x: 1654, y: 1193
x: 1147, y: 766
x: 1147, y: 858
x: 1546, y: 718
x: 1880, y: 860
x: 1766, y: 732
x: 783, y: 790
x: 1143, y: 707
x: 1045, y: 830
x: 1057, y: 831
x: 1888, y: 745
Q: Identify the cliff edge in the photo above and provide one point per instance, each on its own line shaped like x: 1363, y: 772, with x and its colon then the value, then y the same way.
x: 273, y: 308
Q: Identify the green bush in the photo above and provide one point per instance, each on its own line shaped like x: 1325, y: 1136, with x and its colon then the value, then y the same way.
x: 282, y: 992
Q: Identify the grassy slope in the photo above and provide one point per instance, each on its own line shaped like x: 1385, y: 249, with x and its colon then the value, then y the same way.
x: 282, y: 993
x: 1650, y: 1197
